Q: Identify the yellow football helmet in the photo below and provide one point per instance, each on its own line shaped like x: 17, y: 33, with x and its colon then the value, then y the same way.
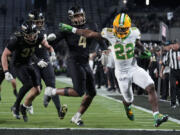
x: 121, y: 25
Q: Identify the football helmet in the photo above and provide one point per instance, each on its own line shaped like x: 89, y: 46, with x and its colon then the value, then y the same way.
x: 37, y: 18
x: 77, y: 16
x: 29, y: 32
x: 121, y: 25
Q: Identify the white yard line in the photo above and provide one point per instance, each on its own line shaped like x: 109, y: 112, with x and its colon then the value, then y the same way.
x: 103, y: 93
x: 91, y: 129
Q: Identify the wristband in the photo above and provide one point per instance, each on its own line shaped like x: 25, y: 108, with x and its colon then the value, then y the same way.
x: 74, y: 30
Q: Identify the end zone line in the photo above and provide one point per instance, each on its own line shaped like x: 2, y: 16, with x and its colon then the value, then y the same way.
x: 92, y: 129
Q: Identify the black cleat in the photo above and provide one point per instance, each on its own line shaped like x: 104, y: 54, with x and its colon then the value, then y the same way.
x: 15, y: 112
x: 24, y: 114
x: 63, y: 111
x: 46, y: 100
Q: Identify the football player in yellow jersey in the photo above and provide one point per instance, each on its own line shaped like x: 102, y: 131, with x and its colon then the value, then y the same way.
x: 123, y: 39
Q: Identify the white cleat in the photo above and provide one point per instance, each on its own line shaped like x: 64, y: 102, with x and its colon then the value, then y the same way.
x: 77, y: 121
x: 30, y: 110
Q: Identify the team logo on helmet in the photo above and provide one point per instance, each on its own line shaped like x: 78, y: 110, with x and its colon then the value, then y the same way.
x: 77, y: 16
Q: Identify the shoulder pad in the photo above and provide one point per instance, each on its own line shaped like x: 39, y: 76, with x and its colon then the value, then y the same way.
x: 106, y: 31
x: 136, y: 32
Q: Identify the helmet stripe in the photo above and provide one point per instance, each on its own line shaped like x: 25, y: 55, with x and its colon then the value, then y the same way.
x: 121, y: 19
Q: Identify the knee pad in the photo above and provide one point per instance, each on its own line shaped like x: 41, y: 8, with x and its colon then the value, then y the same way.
x: 50, y: 91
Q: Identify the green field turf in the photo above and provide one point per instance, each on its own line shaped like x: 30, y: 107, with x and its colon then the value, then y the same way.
x: 103, y: 113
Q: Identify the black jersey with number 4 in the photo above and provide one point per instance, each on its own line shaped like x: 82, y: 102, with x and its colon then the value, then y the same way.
x: 78, y: 45
x: 22, y: 51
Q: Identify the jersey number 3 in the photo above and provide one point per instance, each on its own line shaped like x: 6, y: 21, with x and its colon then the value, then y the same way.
x: 82, y: 42
x: 124, y: 51
x: 27, y: 52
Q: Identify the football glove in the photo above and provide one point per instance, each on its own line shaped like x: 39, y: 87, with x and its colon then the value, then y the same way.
x: 146, y: 54
x: 52, y: 57
x: 51, y: 37
x: 8, y: 76
x: 42, y: 64
x: 66, y: 27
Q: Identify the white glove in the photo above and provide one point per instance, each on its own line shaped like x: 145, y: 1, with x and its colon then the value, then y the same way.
x: 42, y: 64
x: 51, y: 37
x: 8, y: 76
x: 52, y: 57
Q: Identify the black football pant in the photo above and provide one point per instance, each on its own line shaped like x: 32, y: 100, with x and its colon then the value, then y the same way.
x: 175, y: 91
x: 28, y: 77
x: 82, y: 77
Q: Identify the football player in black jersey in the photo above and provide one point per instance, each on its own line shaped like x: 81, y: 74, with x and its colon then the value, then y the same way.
x: 78, y: 64
x: 22, y: 44
x: 43, y: 64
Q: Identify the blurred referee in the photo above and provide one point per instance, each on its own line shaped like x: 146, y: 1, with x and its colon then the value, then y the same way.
x: 173, y: 60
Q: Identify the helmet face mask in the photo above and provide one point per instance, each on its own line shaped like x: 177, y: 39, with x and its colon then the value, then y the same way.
x: 37, y: 18
x: 121, y: 25
x: 77, y: 16
x: 29, y: 32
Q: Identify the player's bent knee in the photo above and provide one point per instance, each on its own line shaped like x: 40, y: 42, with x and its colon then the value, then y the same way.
x: 92, y: 94
x: 80, y: 94
x: 150, y: 88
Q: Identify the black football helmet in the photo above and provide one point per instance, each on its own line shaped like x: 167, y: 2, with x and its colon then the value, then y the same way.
x: 77, y: 16
x: 37, y: 18
x: 29, y: 32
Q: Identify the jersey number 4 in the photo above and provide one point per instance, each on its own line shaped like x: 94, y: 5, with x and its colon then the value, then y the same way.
x: 124, y: 51
x: 82, y: 42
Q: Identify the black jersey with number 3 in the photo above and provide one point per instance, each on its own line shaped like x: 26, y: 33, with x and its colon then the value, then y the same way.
x: 22, y: 51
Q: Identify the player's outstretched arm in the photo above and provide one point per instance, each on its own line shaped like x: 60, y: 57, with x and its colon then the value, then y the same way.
x: 82, y: 32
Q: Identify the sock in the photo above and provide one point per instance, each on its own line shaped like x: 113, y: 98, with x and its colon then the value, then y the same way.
x: 25, y: 106
x: 56, y: 102
x: 15, y: 92
x: 78, y: 115
x: 155, y: 113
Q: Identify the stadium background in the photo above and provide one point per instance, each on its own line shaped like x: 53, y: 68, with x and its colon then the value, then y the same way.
x: 146, y: 17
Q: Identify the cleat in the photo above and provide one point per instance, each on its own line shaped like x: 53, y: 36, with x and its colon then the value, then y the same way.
x: 63, y: 111
x: 129, y: 112
x: 30, y: 110
x: 159, y: 119
x: 23, y: 112
x: 46, y: 100
x: 15, y: 112
x: 77, y: 121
